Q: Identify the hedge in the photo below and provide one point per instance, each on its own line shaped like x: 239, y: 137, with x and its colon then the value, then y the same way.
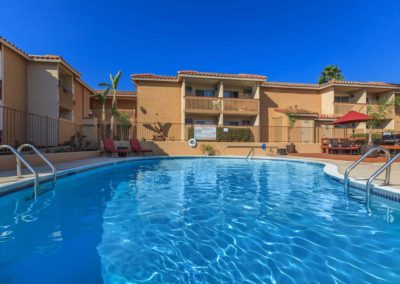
x: 232, y: 135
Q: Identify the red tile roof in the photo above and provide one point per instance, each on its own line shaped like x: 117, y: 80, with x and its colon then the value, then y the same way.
x: 290, y: 85
x: 328, y: 116
x: 149, y: 76
x: 191, y: 73
x: 297, y: 111
x: 55, y: 58
x: 222, y: 75
x: 122, y: 93
x: 361, y: 84
x: 13, y: 47
x: 332, y: 83
x: 307, y: 113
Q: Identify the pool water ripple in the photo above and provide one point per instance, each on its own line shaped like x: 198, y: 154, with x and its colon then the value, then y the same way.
x: 198, y: 221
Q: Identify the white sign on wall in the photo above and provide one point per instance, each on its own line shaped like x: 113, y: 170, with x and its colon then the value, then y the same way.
x: 205, y: 132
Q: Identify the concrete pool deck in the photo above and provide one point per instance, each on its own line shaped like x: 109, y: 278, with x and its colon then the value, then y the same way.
x: 361, y: 173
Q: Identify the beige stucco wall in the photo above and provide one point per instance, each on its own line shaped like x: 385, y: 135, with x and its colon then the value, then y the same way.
x: 272, y: 98
x: 170, y: 148
x: 15, y: 80
x: 7, y: 162
x: 82, y: 101
x: 43, y: 89
x: 159, y: 102
x: 77, y: 109
x: 327, y: 99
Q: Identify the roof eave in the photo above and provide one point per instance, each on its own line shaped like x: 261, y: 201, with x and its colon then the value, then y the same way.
x: 14, y: 48
x: 221, y: 78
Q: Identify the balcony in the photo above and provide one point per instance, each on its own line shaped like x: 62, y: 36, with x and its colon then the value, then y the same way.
x: 343, y: 108
x: 388, y: 112
x: 203, y: 104
x: 216, y: 105
x: 66, y: 99
x: 241, y: 106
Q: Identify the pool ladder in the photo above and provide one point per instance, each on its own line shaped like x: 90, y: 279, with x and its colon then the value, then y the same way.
x: 385, y: 167
x: 21, y: 160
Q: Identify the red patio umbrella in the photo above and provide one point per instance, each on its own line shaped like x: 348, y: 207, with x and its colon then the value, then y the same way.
x: 352, y: 117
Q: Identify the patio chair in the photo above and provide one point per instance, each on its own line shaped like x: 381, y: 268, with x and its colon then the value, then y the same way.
x: 334, y: 146
x: 137, y: 148
x: 110, y: 149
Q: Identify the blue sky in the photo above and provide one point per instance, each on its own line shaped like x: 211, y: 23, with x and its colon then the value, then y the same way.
x: 284, y: 40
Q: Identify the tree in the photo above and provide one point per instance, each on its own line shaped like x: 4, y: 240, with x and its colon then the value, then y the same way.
x: 102, y: 97
x: 380, y: 112
x: 292, y: 118
x: 329, y: 73
x: 113, y: 85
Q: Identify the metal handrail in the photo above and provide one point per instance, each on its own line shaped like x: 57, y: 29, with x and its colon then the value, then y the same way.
x: 251, y: 150
x: 377, y: 173
x: 363, y: 157
x: 20, y: 148
x: 21, y: 159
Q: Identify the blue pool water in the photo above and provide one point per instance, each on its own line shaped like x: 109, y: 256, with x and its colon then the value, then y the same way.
x: 198, y: 221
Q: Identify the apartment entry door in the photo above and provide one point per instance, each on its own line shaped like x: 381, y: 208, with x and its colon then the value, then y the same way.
x: 307, y: 131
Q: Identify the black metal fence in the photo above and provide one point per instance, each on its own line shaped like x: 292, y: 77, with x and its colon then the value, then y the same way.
x: 156, y: 131
x: 18, y: 127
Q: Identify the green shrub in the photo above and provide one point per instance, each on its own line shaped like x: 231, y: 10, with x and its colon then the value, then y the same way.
x: 232, y: 135
x: 208, y: 148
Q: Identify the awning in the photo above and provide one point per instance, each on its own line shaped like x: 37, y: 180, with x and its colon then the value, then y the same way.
x: 351, y: 117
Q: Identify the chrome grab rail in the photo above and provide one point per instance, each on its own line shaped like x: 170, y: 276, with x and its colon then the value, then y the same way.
x: 20, y: 148
x: 377, y: 173
x: 21, y: 159
x: 251, y: 150
x: 363, y: 157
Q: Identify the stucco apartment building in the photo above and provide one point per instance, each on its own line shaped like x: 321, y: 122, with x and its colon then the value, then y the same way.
x: 126, y: 102
x: 250, y: 101
x: 41, y: 97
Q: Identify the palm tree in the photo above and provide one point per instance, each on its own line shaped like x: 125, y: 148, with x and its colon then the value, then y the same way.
x: 380, y: 112
x: 329, y: 73
x: 113, y: 85
x: 102, y: 97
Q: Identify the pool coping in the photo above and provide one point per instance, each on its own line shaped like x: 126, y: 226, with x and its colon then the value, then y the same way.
x: 329, y: 169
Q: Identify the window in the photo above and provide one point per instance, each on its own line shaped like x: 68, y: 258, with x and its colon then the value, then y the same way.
x: 231, y: 94
x: 204, y: 93
x: 248, y: 91
x: 188, y: 121
x: 246, y: 122
x: 188, y: 90
x: 342, y: 99
x: 231, y: 123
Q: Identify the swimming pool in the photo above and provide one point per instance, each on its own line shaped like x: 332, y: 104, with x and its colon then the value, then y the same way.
x: 197, y: 220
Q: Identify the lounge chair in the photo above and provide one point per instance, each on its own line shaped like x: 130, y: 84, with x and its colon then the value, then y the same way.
x: 110, y: 149
x: 137, y: 148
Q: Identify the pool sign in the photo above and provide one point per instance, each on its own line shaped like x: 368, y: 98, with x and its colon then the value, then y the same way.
x: 205, y: 132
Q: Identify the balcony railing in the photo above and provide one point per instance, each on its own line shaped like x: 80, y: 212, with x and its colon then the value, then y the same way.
x: 390, y: 112
x: 240, y: 105
x: 66, y: 100
x: 343, y: 108
x: 203, y: 104
x: 216, y: 105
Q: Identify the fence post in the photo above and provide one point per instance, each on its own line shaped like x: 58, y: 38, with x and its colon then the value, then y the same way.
x: 47, y: 134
